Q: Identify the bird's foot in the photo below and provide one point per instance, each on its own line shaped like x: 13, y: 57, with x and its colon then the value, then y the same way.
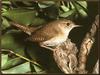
x: 47, y: 47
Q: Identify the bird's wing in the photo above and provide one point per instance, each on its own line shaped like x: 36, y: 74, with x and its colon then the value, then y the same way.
x: 43, y: 34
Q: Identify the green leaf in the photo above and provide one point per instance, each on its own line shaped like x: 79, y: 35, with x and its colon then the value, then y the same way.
x: 4, y: 8
x: 37, y: 68
x: 82, y: 3
x: 71, y: 5
x: 42, y: 5
x: 4, y: 59
x: 82, y: 13
x: 5, y: 23
x: 66, y: 14
x: 65, y: 9
x: 6, y: 2
x: 81, y: 10
x: 23, y: 68
x: 45, y: 4
x: 9, y: 63
x: 22, y: 16
x: 12, y: 40
x: 28, y: 3
x: 38, y: 21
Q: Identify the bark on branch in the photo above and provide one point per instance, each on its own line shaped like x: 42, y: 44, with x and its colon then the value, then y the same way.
x: 96, y: 68
x: 86, y: 46
x: 65, y: 57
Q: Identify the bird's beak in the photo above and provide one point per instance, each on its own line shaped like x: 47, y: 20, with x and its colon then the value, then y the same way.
x: 77, y: 26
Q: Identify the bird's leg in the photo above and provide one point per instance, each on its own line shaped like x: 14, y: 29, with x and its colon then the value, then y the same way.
x: 49, y: 47
x: 46, y: 47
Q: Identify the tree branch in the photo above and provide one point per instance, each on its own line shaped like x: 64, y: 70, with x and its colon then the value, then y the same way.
x: 96, y: 68
x: 86, y: 46
x: 65, y: 57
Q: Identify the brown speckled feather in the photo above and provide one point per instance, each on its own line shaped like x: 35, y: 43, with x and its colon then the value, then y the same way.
x: 45, y: 33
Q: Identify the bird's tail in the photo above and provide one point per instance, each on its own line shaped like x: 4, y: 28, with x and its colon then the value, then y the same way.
x: 26, y: 29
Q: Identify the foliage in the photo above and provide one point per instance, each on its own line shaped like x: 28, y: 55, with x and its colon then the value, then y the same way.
x: 15, y: 57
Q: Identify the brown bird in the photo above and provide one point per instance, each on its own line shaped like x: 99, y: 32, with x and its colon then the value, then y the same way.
x: 54, y: 33
x: 51, y: 34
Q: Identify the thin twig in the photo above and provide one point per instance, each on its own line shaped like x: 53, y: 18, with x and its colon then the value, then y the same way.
x: 20, y: 56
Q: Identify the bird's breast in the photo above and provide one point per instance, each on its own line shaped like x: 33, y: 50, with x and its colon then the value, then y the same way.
x: 55, y: 41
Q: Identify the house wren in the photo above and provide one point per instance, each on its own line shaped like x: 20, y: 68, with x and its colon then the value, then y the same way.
x: 52, y: 34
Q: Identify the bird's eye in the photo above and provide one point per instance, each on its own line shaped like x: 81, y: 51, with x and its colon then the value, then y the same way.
x: 68, y: 24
